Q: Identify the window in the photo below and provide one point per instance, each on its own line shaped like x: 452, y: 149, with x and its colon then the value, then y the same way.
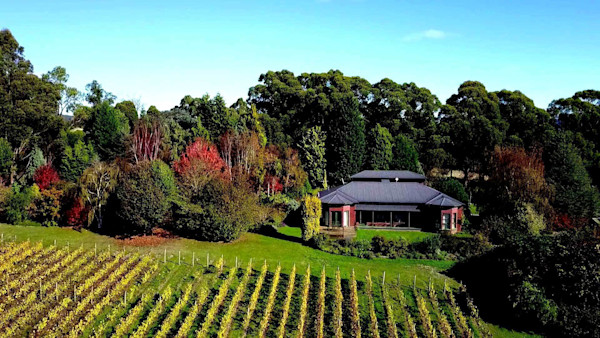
x: 454, y: 223
x: 346, y: 218
x: 446, y: 222
x: 336, y: 218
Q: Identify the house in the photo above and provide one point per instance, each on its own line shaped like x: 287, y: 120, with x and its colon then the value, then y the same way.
x: 390, y: 198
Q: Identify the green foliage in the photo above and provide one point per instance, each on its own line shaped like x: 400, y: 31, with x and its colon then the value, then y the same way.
x: 451, y: 187
x: 97, y: 184
x: 221, y: 212
x: 145, y: 194
x: 6, y: 158
x: 18, y: 203
x: 574, y: 194
x: 346, y: 135
x: 36, y: 160
x: 129, y: 110
x: 405, y: 155
x: 48, y: 206
x: 75, y: 160
x: 311, y: 215
x: 312, y: 153
x: 108, y: 130
x: 380, y: 148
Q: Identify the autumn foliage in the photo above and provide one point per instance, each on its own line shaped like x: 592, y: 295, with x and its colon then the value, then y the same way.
x: 45, y: 176
x: 201, y: 155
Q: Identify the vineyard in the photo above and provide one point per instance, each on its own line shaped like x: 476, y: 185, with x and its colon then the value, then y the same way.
x: 72, y: 291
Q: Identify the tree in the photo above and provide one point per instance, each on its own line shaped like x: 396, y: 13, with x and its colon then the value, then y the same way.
x: 108, y: 130
x: 45, y: 176
x: 69, y: 96
x: 451, y: 187
x: 311, y: 215
x: 527, y: 124
x: 6, y: 157
x: 96, y: 94
x: 518, y: 176
x: 145, y: 194
x: 312, y: 153
x: 574, y: 195
x: 129, y: 110
x: 76, y: 159
x: 474, y: 125
x: 146, y: 140
x: 405, y: 155
x: 28, y: 104
x: 580, y: 115
x: 346, y: 148
x: 379, y: 149
x: 97, y: 184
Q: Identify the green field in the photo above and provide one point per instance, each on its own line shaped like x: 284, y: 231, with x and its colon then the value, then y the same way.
x: 409, y: 236
x: 147, y: 296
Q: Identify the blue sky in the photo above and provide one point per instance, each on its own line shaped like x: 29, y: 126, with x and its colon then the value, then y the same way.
x: 160, y: 51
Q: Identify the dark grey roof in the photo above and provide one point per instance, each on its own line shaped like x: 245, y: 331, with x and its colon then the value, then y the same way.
x: 337, y: 197
x: 370, y: 192
x: 387, y: 207
x: 392, y: 175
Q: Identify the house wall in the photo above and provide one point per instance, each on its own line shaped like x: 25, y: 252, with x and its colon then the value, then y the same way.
x: 454, y: 227
x: 351, y: 211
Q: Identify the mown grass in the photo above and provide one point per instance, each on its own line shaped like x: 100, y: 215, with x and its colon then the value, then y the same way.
x: 409, y: 236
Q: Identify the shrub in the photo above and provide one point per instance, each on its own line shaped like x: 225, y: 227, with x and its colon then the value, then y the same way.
x: 19, y: 203
x: 48, y: 206
x: 77, y: 213
x: 222, y: 213
x: 390, y: 248
x: 145, y: 195
x: 45, y: 176
x: 311, y: 215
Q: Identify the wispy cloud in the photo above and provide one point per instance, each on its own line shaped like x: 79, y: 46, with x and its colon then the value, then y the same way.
x: 427, y: 34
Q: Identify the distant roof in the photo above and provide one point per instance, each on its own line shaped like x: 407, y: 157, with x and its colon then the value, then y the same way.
x: 373, y: 192
x: 392, y: 175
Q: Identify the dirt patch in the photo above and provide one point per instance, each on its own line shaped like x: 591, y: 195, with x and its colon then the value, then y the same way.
x: 158, y: 237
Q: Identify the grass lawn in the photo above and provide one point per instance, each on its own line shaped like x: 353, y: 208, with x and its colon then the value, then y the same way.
x: 286, y: 250
x: 409, y: 236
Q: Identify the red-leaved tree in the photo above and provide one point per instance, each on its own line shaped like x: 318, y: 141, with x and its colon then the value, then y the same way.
x: 77, y: 214
x: 199, y: 164
x: 45, y: 176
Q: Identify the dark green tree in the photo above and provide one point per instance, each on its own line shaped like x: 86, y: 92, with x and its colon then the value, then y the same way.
x: 574, y: 195
x: 75, y: 160
x: 96, y: 94
x: 379, y: 149
x: 346, y: 135
x: 145, y: 195
x: 128, y: 108
x: 312, y: 154
x: 28, y: 104
x: 405, y: 155
x: 108, y: 130
x: 6, y: 159
x: 69, y: 96
x: 474, y: 125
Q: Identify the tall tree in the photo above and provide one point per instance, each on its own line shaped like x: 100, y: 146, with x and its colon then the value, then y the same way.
x: 108, y: 130
x: 312, y: 153
x: 405, y: 155
x: 474, y: 125
x: 379, y: 150
x: 97, y: 184
x: 128, y: 108
x: 69, y: 96
x: 346, y: 135
x: 28, y: 104
x: 96, y: 94
x: 575, y: 197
